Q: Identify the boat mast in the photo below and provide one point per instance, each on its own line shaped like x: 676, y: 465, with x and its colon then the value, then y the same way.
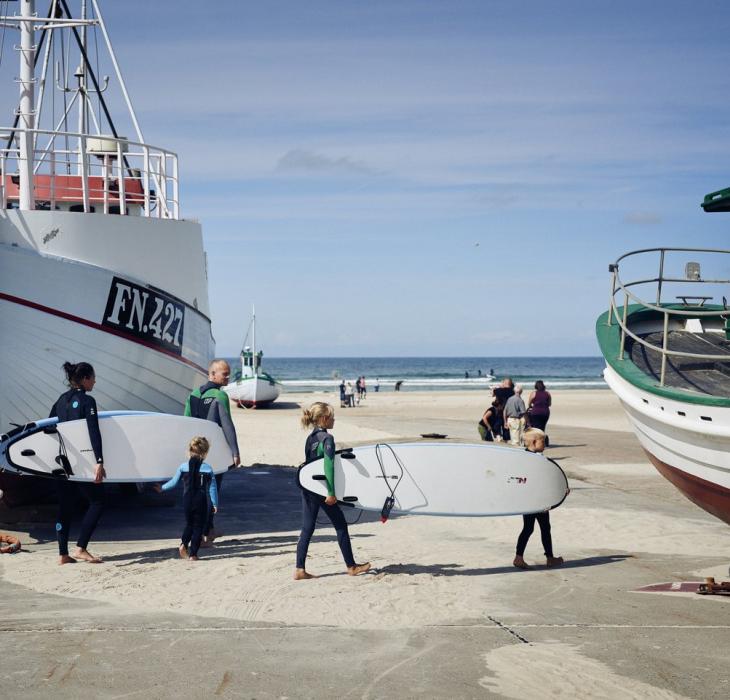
x: 26, y: 107
x: 83, y: 95
x: 253, y: 340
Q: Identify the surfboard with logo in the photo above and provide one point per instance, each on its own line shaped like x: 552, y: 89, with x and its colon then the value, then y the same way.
x: 137, y: 447
x: 441, y: 479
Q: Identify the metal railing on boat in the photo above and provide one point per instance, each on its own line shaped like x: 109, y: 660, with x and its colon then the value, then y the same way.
x: 94, y: 170
x: 694, y: 311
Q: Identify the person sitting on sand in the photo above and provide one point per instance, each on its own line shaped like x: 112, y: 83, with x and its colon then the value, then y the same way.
x: 321, y: 416
x: 75, y: 404
x: 535, y: 442
x: 200, y: 495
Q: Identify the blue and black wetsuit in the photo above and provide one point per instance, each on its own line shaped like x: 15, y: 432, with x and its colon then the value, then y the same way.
x: 320, y: 444
x: 200, y: 494
x: 210, y: 402
x: 76, y: 404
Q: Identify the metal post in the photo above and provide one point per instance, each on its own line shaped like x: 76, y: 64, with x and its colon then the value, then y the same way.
x: 3, y: 193
x: 623, y: 327
x: 146, y: 166
x: 53, y: 178
x: 84, y: 173
x: 175, y: 190
x: 122, y: 183
x: 664, y: 349
x: 26, y: 109
x: 661, y: 276
x: 611, y: 300
x: 105, y: 169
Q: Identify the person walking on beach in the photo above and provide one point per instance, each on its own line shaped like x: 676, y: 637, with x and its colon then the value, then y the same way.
x: 514, y: 416
x: 535, y: 442
x: 490, y: 424
x: 342, y: 394
x: 210, y: 402
x: 363, y: 388
x: 538, y: 408
x: 503, y: 392
x: 321, y: 417
x: 200, y: 496
x: 75, y: 404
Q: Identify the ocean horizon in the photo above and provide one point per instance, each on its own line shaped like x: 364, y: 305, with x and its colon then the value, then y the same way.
x: 303, y: 374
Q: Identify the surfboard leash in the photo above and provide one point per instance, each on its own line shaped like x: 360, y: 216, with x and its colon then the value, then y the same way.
x: 390, y: 500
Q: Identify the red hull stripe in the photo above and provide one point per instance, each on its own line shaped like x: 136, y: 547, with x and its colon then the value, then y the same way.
x: 98, y: 327
x: 711, y: 497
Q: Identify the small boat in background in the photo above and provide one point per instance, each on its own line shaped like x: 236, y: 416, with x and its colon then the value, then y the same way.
x: 251, y: 387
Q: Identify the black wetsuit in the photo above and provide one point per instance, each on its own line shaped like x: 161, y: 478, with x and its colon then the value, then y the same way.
x: 74, y: 405
x: 321, y: 444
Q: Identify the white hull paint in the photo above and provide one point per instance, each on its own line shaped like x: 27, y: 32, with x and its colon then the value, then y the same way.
x: 253, y: 391
x: 696, y: 443
x: 55, y: 308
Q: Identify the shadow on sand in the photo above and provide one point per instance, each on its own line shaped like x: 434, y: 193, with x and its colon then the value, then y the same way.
x: 457, y: 570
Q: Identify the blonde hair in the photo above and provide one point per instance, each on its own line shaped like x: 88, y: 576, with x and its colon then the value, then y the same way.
x: 218, y: 362
x: 317, y: 414
x: 198, y: 447
x: 532, y: 435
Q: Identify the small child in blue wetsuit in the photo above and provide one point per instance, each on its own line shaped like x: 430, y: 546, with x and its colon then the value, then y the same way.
x: 199, y: 496
x: 321, y: 416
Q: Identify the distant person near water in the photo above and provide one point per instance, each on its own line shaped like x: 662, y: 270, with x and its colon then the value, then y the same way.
x: 211, y: 403
x: 514, y: 416
x: 349, y: 395
x: 377, y: 385
x: 363, y: 388
x: 535, y: 442
x: 320, y: 444
x: 75, y: 404
x: 398, y: 384
x: 490, y: 424
x: 200, y: 496
x: 538, y: 408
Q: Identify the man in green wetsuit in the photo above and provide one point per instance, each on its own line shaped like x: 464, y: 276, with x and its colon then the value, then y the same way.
x: 210, y: 402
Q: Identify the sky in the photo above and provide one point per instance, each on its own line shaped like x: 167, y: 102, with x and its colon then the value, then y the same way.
x: 403, y: 177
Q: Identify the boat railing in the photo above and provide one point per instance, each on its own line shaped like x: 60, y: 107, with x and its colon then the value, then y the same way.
x: 93, y: 173
x: 619, y: 315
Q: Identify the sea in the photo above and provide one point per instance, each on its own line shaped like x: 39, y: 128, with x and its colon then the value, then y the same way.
x: 305, y: 374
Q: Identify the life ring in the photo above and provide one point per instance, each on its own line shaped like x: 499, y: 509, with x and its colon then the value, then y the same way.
x: 9, y: 544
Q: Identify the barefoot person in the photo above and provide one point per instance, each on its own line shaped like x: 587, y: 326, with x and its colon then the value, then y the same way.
x: 200, y: 495
x: 75, y: 404
x: 535, y: 442
x: 210, y: 402
x: 321, y: 417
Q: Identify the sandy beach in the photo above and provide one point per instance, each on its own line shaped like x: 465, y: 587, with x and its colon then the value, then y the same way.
x: 582, y: 629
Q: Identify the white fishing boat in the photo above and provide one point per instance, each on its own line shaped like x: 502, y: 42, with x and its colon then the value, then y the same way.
x: 668, y: 361
x: 251, y: 387
x: 96, y: 262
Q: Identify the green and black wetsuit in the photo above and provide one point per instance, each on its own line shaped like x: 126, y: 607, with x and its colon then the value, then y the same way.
x: 321, y: 445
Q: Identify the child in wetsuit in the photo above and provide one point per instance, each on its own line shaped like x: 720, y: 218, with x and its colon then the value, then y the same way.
x: 200, y: 495
x: 535, y: 442
x: 321, y: 416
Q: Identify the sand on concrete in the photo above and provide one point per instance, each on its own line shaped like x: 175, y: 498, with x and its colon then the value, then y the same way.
x: 428, y: 572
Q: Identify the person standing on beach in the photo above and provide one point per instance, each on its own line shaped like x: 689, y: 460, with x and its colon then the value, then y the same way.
x: 342, y: 394
x: 535, y: 442
x: 200, y: 496
x: 320, y: 444
x: 503, y: 392
x: 377, y: 385
x: 210, y: 402
x: 538, y: 407
x: 75, y: 404
x: 363, y: 388
x: 514, y: 416
x: 349, y: 395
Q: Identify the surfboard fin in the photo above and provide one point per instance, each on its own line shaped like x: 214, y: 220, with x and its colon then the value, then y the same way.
x: 387, y: 507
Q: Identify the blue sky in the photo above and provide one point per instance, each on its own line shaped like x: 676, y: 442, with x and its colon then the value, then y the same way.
x: 346, y: 158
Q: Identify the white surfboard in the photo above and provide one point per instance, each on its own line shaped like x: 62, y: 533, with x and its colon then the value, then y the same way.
x: 137, y: 446
x: 442, y: 479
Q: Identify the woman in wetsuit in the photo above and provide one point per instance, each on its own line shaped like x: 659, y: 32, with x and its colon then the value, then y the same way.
x: 321, y: 417
x: 535, y: 442
x: 75, y: 404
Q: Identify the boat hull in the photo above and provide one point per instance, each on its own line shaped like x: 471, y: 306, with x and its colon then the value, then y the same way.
x: 253, y: 392
x: 688, y: 443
